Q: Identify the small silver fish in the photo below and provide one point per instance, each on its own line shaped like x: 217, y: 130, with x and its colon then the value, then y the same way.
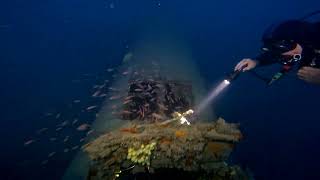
x: 76, y: 101
x: 75, y: 147
x: 66, y: 150
x: 58, y: 115
x: 127, y: 101
x: 90, y: 132
x: 91, y: 107
x: 115, y: 97
x: 51, y: 154
x: 102, y: 86
x: 83, y: 127
x: 125, y: 73
x: 48, y: 114
x: 42, y: 130
x: 66, y: 139
x: 29, y: 142
x: 64, y: 123
x: 74, y: 121
x: 138, y: 90
x: 96, y: 94
x: 109, y: 69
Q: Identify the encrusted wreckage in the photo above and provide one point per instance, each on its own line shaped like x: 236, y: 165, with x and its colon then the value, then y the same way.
x: 154, y: 150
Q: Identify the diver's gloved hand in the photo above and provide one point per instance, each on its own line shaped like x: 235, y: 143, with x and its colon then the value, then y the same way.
x: 309, y: 74
x: 247, y: 63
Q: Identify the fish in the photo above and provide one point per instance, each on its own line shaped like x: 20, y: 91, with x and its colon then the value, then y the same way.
x: 74, y: 121
x: 96, y: 94
x: 95, y: 86
x: 53, y: 139
x: 91, y: 107
x: 83, y: 127
x: 29, y: 142
x: 125, y: 73
x: 58, y: 115
x: 66, y: 139
x: 51, y: 154
x: 115, y: 97
x: 48, y: 114
x: 110, y: 69
x: 106, y: 81
x: 127, y: 101
x: 97, y: 115
x: 75, y: 147
x: 66, y: 150
x: 59, y: 128
x: 138, y: 90
x: 102, y: 86
x: 149, y: 88
x: 82, y: 139
x: 103, y: 95
x: 128, y: 97
x: 76, y: 101
x: 90, y: 132
x: 64, y: 123
x: 113, y: 89
x: 42, y: 130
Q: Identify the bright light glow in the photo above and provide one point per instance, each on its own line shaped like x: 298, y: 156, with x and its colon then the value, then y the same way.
x: 226, y: 81
x: 183, y: 120
x: 213, y: 94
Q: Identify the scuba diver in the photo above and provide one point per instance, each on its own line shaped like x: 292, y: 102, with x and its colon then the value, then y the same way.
x: 289, y: 43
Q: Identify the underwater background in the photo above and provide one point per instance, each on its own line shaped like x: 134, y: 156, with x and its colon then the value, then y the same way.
x: 53, y: 52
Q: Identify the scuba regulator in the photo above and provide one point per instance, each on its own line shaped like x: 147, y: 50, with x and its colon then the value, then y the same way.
x: 277, y: 48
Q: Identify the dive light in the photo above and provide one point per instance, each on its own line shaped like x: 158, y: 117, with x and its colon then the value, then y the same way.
x: 233, y: 75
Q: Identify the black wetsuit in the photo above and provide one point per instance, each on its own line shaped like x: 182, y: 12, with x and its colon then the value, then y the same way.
x: 304, y: 33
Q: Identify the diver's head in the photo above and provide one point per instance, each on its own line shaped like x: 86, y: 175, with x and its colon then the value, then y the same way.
x: 286, y: 51
x: 285, y: 41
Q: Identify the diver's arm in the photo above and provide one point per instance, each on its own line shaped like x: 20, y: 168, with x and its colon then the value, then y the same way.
x: 261, y: 60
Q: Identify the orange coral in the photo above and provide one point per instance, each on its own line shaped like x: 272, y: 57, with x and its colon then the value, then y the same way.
x: 180, y: 133
x: 132, y: 130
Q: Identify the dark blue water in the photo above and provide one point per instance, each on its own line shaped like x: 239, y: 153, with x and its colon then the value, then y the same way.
x: 52, y: 52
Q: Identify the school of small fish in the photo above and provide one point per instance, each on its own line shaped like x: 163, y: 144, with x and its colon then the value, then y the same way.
x: 140, y: 101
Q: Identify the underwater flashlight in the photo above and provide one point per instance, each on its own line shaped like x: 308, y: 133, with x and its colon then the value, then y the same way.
x: 232, y: 76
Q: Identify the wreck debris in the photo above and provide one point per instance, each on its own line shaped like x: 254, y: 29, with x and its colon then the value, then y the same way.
x: 152, y: 147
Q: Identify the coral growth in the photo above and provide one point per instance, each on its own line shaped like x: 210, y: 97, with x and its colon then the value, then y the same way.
x: 150, y: 147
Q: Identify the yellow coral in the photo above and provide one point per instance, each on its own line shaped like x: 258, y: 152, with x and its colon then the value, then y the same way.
x: 141, y: 155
